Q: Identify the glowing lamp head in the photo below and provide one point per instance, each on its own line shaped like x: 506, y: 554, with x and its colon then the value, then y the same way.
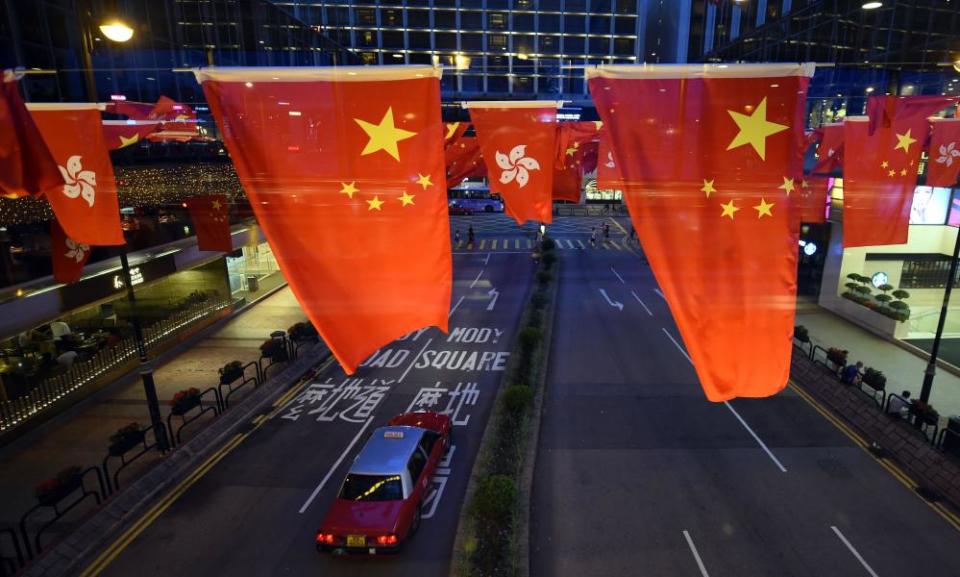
x: 116, y: 30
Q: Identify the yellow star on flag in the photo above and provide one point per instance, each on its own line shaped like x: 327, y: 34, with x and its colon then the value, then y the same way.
x: 598, y: 124
x: 451, y: 129
x: 375, y: 203
x: 728, y: 209
x: 348, y: 189
x: 904, y: 141
x: 406, y: 198
x: 424, y: 180
x: 763, y: 209
x: 384, y: 136
x: 787, y: 185
x: 573, y: 149
x: 884, y: 164
x: 215, y: 205
x: 124, y: 142
x: 707, y: 187
x: 804, y: 183
x: 754, y: 129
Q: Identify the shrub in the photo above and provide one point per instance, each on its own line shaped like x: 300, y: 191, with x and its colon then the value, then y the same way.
x: 538, y: 300
x: 494, y: 500
x: 900, y: 306
x: 852, y: 286
x: 837, y: 356
x: 801, y: 334
x: 876, y: 379
x: 884, y: 298
x: 185, y: 397
x: 517, y: 398
x: 529, y: 338
x: 543, y: 277
x: 901, y: 294
x: 886, y: 287
x: 535, y: 319
x: 123, y: 433
x: 548, y: 244
x: 924, y: 412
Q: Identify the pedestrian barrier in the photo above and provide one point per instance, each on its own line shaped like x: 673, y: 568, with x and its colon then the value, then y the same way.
x: 10, y: 565
x: 232, y: 387
x: 158, y: 431
x: 216, y: 407
x: 808, y: 351
x: 33, y: 547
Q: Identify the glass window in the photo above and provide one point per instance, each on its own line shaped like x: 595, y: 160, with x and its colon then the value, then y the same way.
x: 372, y: 488
x: 575, y: 5
x: 446, y: 41
x: 427, y: 441
x: 366, y: 38
x: 472, y: 83
x: 523, y: 84
x: 497, y: 42
x: 523, y: 22
x: 391, y: 17
x: 550, y: 5
x: 524, y: 5
x: 392, y: 39
x: 549, y: 45
x: 550, y: 22
x: 472, y: 42
x: 497, y: 84
x: 604, y: 6
x: 599, y: 25
x: 498, y: 3
x: 419, y: 40
x: 523, y: 43
x: 573, y: 45
x: 626, y: 6
x: 369, y: 57
x: 421, y: 58
x: 445, y: 20
x: 598, y: 45
x: 623, y: 25
x: 496, y: 20
x: 624, y: 46
x: 573, y: 24
x: 418, y: 19
x: 366, y: 16
x: 471, y: 20
x: 418, y: 460
x: 448, y: 83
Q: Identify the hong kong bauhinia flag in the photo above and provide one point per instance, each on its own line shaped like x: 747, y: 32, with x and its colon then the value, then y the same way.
x: 27, y: 167
x: 344, y: 169
x: 880, y: 169
x: 211, y: 219
x: 830, y: 149
x: 943, y: 165
x: 708, y: 155
x: 86, y: 205
x: 68, y: 255
x: 518, y: 143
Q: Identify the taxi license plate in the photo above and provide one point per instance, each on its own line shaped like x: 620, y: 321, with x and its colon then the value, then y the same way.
x: 356, y: 540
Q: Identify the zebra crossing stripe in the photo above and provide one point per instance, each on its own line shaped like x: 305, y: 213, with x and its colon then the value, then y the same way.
x: 482, y: 243
x: 580, y: 242
x: 493, y: 246
x: 516, y: 243
x: 529, y: 243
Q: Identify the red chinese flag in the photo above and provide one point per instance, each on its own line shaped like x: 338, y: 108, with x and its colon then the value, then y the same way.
x: 122, y: 133
x: 344, y: 169
x: 68, y: 255
x: 518, y: 143
x: 463, y: 161
x: 608, y: 176
x: 880, y: 169
x: 453, y: 131
x: 572, y: 141
x: 211, y: 220
x: 566, y: 183
x: 86, y: 205
x: 812, y: 198
x: 944, y: 158
x: 707, y: 155
x: 830, y: 149
x: 27, y: 168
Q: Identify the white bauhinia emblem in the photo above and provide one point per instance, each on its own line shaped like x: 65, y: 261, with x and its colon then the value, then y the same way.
x: 516, y: 166
x: 610, y: 163
x: 79, y: 182
x: 947, y: 153
x: 76, y: 250
x: 830, y: 152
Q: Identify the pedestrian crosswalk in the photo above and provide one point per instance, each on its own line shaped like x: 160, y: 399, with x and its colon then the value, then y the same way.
x: 499, y: 244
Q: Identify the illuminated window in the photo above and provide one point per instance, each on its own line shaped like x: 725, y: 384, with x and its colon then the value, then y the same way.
x: 496, y: 20
x: 366, y: 16
x: 369, y: 57
x: 497, y: 42
x: 368, y: 38
x: 391, y: 18
x: 549, y: 45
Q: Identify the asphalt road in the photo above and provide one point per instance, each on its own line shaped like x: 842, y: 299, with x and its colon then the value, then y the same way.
x: 637, y: 474
x: 256, y: 512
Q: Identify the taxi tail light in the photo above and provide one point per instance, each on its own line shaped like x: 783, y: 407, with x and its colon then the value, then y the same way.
x: 387, y: 540
x: 326, y: 538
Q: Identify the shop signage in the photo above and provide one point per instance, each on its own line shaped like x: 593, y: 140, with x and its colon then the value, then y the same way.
x: 105, y: 285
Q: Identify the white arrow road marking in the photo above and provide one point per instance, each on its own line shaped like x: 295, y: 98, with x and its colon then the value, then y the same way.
x: 611, y: 302
x: 493, y: 294
x: 614, y: 271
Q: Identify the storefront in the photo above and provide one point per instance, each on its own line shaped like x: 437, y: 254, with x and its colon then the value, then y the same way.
x: 253, y: 270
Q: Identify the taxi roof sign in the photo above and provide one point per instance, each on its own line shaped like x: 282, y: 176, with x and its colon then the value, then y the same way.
x: 393, y: 434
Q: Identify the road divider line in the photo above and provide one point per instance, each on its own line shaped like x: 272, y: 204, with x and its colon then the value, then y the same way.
x: 854, y: 551
x: 333, y: 469
x: 487, y: 260
x: 416, y: 358
x: 656, y: 290
x: 455, y: 307
x: 620, y: 278
x: 676, y: 344
x: 643, y: 305
x: 476, y: 280
x: 696, y: 555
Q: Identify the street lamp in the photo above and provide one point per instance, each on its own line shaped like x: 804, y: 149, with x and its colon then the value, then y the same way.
x: 871, y: 5
x: 116, y: 30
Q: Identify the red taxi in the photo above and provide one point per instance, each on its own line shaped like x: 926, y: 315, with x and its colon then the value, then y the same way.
x: 378, y: 506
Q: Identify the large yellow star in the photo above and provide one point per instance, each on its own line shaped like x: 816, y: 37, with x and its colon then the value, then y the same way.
x: 375, y: 203
x: 573, y: 149
x: 708, y: 187
x: 754, y: 129
x: 424, y: 180
x: 787, y: 185
x: 904, y: 141
x: 384, y: 136
x: 348, y: 189
x: 124, y: 142
x: 215, y: 205
x: 728, y: 209
x: 406, y: 199
x: 763, y: 209
x: 598, y: 124
x: 451, y: 129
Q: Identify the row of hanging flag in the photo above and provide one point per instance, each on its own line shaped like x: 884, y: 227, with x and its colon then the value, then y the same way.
x: 347, y: 171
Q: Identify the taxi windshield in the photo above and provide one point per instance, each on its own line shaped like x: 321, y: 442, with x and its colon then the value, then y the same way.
x: 372, y: 488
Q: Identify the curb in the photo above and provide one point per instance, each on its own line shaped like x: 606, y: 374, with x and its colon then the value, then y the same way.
x: 74, y: 554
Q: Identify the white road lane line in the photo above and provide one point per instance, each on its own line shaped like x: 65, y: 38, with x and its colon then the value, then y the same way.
x: 696, y: 556
x: 476, y: 280
x: 335, y: 465
x: 642, y: 304
x: 620, y: 278
x: 854, y: 551
x: 756, y: 437
x: 487, y: 261
x: 410, y: 366
x: 455, y: 307
x: 656, y: 290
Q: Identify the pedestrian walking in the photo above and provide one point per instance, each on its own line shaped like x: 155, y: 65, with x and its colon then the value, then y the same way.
x: 456, y: 237
x: 593, y: 237
x: 633, y: 234
x: 471, y: 237
x: 606, y: 233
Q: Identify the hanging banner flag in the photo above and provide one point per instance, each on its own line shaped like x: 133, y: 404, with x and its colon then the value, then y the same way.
x: 518, y: 143
x: 943, y: 165
x: 344, y: 169
x: 576, y: 147
x: 463, y: 161
x: 813, y: 193
x: 572, y: 140
x: 830, y: 149
x: 453, y: 131
x: 880, y: 170
x: 86, y: 205
x: 608, y: 176
x: 68, y: 255
x: 567, y: 183
x: 123, y: 133
x: 707, y: 154
x: 167, y: 120
x: 211, y: 220
x: 27, y: 168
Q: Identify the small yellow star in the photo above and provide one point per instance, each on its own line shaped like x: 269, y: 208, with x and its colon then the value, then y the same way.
x: 804, y: 183
x: 124, y: 142
x: 728, y: 209
x: 451, y: 130
x: 348, y: 189
x: 707, y: 187
x: 903, y: 172
x: 406, y: 198
x: 573, y: 149
x: 375, y: 203
x: 892, y: 173
x: 424, y: 180
x: 598, y: 124
x: 884, y: 164
x: 763, y: 209
x: 904, y: 141
x: 787, y: 185
x: 754, y: 129
x: 384, y: 136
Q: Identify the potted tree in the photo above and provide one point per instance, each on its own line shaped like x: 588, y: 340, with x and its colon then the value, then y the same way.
x: 274, y: 349
x: 924, y: 413
x: 231, y: 372
x: 125, y: 439
x: 801, y: 334
x: 838, y: 357
x: 302, y: 332
x: 184, y: 400
x: 875, y: 379
x: 52, y: 490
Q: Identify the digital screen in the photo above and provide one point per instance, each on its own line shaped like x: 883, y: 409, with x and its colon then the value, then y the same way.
x: 954, y: 212
x: 929, y: 205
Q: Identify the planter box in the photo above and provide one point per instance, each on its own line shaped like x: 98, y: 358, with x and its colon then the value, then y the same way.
x: 228, y: 378
x: 871, y: 320
x: 55, y: 496
x: 126, y: 443
x: 185, y: 406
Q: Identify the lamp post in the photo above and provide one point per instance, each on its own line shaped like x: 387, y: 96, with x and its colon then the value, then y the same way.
x: 931, y: 370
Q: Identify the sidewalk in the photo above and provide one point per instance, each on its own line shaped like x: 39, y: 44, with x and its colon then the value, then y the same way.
x: 81, y: 435
x: 903, y: 369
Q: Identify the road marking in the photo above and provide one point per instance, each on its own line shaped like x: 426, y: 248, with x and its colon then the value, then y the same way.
x: 494, y: 294
x: 559, y: 243
x: 580, y: 242
x: 656, y: 290
x: 333, y: 469
x: 642, y: 304
x: 612, y: 303
x: 474, y: 283
x: 455, y: 307
x: 614, y: 271
x: 735, y: 413
x: 529, y: 243
x: 487, y: 261
x: 416, y: 358
x: 570, y: 244
x: 516, y: 243
x: 693, y: 549
x: 854, y: 551
x: 615, y: 245
x: 493, y: 244
x: 618, y: 225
